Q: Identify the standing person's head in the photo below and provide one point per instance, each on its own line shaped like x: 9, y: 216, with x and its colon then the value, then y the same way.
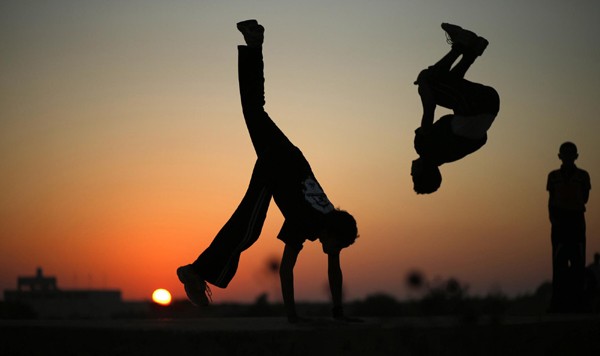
x: 339, y: 231
x: 426, y: 176
x: 568, y: 153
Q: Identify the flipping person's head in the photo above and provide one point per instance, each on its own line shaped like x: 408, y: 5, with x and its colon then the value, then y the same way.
x: 568, y: 153
x: 426, y: 176
x: 339, y: 231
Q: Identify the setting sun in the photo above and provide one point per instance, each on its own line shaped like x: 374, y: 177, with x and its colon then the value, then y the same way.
x: 161, y: 296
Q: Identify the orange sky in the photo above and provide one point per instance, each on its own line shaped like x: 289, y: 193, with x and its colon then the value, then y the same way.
x: 123, y: 149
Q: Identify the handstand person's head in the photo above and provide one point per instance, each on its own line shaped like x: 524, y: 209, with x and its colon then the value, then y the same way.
x: 568, y: 153
x: 339, y: 231
x: 426, y: 176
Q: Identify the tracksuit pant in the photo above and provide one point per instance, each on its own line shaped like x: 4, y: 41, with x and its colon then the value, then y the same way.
x: 218, y: 263
x: 453, y: 92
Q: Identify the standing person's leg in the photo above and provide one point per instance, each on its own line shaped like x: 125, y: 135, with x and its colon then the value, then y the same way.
x: 560, y: 266
x: 577, y: 231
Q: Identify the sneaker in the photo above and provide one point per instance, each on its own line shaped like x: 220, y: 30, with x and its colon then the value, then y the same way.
x: 458, y: 35
x: 195, y: 287
x: 254, y: 33
x: 479, y: 46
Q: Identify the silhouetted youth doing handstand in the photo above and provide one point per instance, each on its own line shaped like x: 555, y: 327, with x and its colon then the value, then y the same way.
x: 281, y: 172
x: 475, y: 107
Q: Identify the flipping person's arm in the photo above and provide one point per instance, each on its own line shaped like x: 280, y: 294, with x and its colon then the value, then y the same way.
x: 428, y: 101
x: 286, y: 273
x: 335, y: 284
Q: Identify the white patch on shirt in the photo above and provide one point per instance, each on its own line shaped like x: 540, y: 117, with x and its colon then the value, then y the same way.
x: 473, y: 127
x: 314, y: 194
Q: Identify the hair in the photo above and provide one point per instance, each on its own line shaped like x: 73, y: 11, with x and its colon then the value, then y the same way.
x: 568, y: 146
x: 428, y: 180
x: 340, y: 225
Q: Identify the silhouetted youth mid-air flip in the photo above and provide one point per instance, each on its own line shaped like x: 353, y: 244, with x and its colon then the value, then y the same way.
x: 475, y: 107
x: 281, y: 172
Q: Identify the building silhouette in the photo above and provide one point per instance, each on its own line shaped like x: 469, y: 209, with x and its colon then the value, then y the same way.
x: 46, y: 300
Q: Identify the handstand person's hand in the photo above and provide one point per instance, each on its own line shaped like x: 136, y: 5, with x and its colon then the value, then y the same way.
x: 338, y: 315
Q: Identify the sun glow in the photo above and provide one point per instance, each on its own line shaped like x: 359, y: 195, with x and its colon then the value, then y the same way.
x: 161, y: 296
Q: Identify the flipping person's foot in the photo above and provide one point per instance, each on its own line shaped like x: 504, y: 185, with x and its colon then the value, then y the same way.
x: 254, y: 33
x: 458, y: 35
x: 195, y: 287
x: 479, y: 46
x: 468, y: 40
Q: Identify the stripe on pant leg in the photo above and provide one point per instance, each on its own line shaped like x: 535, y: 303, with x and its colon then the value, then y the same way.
x: 454, y: 94
x: 257, y: 207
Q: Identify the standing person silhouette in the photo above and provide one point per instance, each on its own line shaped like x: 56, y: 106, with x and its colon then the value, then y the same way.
x: 475, y: 107
x: 281, y: 172
x: 569, y: 189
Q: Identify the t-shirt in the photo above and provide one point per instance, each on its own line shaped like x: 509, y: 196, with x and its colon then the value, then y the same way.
x: 568, y: 193
x: 442, y: 145
x: 300, y: 198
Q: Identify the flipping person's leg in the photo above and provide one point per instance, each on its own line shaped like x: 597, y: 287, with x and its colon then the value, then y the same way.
x: 263, y: 131
x: 461, y: 68
x: 442, y: 67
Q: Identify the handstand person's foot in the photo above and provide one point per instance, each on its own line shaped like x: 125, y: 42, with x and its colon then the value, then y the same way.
x: 195, y: 287
x: 254, y: 33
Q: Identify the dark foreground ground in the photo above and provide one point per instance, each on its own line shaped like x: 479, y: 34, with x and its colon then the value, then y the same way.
x: 548, y: 335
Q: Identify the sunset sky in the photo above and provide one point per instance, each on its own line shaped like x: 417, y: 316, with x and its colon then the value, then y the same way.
x: 123, y: 148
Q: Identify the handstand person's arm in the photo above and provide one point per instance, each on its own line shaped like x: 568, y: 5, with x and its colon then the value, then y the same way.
x: 286, y: 274
x: 334, y: 272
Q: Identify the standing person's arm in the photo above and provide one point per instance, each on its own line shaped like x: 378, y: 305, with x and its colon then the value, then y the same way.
x: 586, y: 190
x: 286, y: 274
x: 334, y: 272
x: 550, y: 189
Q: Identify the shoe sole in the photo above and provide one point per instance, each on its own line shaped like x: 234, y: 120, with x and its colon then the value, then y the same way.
x: 459, y: 35
x: 247, y: 23
x: 203, y: 300
x: 480, y: 46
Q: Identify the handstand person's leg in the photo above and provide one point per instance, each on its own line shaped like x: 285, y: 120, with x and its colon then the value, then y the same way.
x: 218, y: 263
x: 263, y: 131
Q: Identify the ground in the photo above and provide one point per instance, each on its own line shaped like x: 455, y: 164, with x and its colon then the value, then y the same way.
x: 548, y: 335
